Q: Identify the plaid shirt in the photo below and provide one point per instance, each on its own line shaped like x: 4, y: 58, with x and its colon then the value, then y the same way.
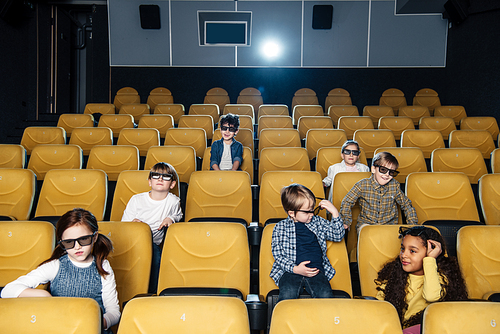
x: 377, y: 203
x: 284, y: 244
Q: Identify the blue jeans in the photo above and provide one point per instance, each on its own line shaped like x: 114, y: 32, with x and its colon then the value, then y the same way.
x: 155, y: 269
x: 291, y: 285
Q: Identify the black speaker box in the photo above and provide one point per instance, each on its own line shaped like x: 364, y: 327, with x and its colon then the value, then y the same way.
x: 150, y: 16
x: 455, y: 11
x: 322, y: 17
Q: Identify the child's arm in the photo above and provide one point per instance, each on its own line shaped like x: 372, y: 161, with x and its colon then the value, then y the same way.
x: 348, y: 202
x: 432, y: 289
x: 408, y: 209
x: 214, y: 156
x: 279, y: 246
x: 336, y: 232
x: 238, y: 156
x: 327, y: 181
x: 25, y: 285
x: 110, y: 298
x: 174, y: 215
x: 130, y: 212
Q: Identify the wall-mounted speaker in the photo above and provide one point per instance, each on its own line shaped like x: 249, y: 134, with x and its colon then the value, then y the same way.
x: 150, y: 16
x: 322, y: 17
x: 455, y: 11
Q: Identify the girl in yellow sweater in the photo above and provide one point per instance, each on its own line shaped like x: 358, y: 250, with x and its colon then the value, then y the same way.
x: 420, y: 275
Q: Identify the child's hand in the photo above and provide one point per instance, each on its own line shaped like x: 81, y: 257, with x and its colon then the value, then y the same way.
x: 324, y: 185
x: 166, y: 222
x: 303, y: 270
x: 346, y: 227
x: 137, y: 220
x: 326, y: 204
x: 433, y: 248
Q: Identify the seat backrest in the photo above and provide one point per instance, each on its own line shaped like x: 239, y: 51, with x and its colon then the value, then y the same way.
x: 174, y: 109
x: 307, y: 123
x: 352, y: 123
x: 205, y: 109
x: 127, y: 91
x: 239, y: 109
x: 219, y: 194
x: 336, y: 253
x: 317, y: 139
x: 488, y: 123
x: 335, y: 112
x: 66, y: 189
x: 426, y: 140
x: 142, y: 138
x: 54, y: 156
x: 274, y: 122
x: 251, y: 96
x: 246, y: 165
x: 272, y: 182
x: 441, y: 196
x: 377, y: 245
x: 394, y: 98
x: 12, y: 156
x: 466, y: 160
x: 480, y: 139
x: 370, y: 140
x: 460, y: 317
x: 341, y: 316
x: 129, y: 183
x: 279, y: 138
x: 244, y: 136
x: 414, y: 112
x: 204, y: 122
x: 327, y: 156
x: 206, y: 255
x: 338, y: 97
x: 36, y: 135
x: 455, y: 112
x: 70, y: 121
x: 159, y: 122
x: 50, y: 315
x: 272, y: 110
x: 306, y: 110
x: 193, y: 137
x: 427, y: 97
x: 410, y: 159
x: 87, y: 138
x: 443, y: 124
x: 159, y: 95
x: 99, y: 108
x: 136, y: 110
x: 489, y: 197
x: 23, y: 245
x: 220, y: 100
x: 495, y: 161
x: 124, y: 99
x: 182, y: 158
x: 375, y: 112
x: 397, y: 124
x: 283, y: 158
x: 304, y: 96
x: 131, y: 256
x: 478, y: 256
x: 185, y: 315
x: 113, y: 159
x: 116, y: 123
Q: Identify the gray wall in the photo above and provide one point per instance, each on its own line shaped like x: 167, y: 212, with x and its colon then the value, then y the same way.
x: 364, y: 33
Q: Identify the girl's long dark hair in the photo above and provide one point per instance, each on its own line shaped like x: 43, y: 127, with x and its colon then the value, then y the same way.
x: 102, y: 246
x: 396, y: 279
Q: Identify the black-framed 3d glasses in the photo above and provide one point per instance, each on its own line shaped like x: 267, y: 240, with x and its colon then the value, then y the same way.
x: 157, y: 176
x: 230, y: 128
x: 384, y: 170
x: 82, y: 241
x: 348, y: 152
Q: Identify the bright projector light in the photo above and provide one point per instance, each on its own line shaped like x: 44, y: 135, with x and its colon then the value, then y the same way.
x: 271, y: 50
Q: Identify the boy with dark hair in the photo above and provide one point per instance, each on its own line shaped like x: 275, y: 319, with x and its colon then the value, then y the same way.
x: 227, y: 153
x: 158, y: 208
x: 378, y: 196
x: 299, y: 245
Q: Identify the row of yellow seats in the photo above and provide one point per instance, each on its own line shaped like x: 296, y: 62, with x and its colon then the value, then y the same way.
x: 184, y: 240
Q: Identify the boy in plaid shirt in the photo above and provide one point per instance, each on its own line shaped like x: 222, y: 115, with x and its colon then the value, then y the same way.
x: 299, y: 245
